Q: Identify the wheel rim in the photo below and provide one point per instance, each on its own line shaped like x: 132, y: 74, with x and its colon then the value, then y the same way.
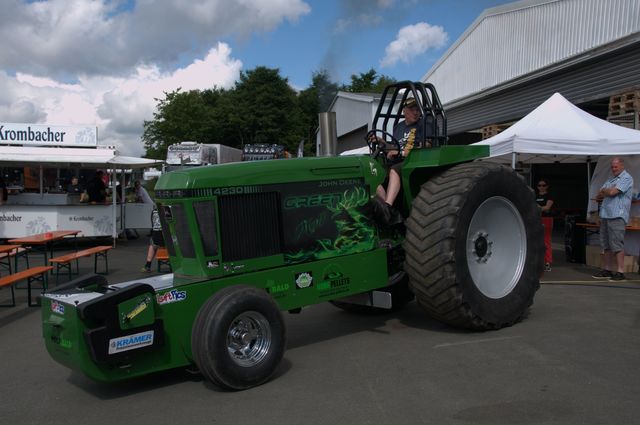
x: 496, y: 247
x: 249, y: 338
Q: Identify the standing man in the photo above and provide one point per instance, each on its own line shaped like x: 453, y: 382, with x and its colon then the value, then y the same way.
x: 74, y: 187
x: 141, y: 193
x: 96, y: 189
x: 615, y: 196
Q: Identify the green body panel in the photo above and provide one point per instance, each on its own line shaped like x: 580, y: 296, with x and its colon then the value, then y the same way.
x: 422, y: 163
x: 310, y: 238
x: 292, y: 287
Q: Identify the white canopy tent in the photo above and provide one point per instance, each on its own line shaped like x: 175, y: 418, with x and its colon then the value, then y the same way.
x: 12, y: 156
x: 63, y: 157
x: 559, y: 131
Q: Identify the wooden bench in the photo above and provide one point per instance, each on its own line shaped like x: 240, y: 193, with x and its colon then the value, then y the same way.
x: 162, y: 256
x: 64, y: 261
x: 34, y: 274
x: 5, y: 258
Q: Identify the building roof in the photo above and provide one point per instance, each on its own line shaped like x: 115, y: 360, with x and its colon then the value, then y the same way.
x: 513, y: 41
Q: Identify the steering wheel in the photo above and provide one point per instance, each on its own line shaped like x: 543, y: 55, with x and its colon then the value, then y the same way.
x: 377, y: 148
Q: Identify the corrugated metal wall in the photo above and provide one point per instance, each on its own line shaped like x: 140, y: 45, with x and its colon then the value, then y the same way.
x: 510, y: 41
x: 597, y: 78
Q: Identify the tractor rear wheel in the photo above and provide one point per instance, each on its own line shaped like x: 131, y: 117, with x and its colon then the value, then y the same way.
x: 474, y: 246
x: 238, y: 337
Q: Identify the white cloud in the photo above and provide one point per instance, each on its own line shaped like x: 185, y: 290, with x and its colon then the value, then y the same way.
x: 413, y: 40
x: 104, y: 62
x: 68, y: 37
x: 118, y: 106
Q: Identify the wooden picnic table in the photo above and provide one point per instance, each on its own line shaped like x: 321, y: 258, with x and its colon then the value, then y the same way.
x: 45, y: 240
x: 6, y: 250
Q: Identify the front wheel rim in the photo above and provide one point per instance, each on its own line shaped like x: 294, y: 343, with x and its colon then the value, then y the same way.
x: 249, y: 338
x: 496, y: 247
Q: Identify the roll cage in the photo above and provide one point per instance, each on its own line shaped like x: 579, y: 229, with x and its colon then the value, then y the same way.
x: 389, y: 110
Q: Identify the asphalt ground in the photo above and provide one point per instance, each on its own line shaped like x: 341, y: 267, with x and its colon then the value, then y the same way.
x: 573, y: 360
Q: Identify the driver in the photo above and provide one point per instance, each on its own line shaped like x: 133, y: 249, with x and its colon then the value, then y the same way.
x: 409, y: 133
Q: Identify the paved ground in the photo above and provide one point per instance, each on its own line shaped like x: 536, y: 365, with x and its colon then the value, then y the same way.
x: 574, y: 360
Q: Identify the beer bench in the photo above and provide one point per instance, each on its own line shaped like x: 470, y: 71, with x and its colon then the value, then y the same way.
x: 162, y: 256
x: 64, y: 261
x: 5, y: 258
x: 34, y: 274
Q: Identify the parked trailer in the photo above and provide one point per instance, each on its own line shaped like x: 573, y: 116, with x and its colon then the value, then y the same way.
x: 193, y: 154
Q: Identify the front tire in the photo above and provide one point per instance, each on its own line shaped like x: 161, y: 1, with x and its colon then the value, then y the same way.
x: 474, y: 246
x: 238, y: 337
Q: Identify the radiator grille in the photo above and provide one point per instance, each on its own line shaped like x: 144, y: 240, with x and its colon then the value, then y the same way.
x: 250, y: 226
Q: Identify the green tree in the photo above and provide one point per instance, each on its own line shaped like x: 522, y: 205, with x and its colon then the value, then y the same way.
x: 178, y: 117
x: 326, y: 89
x: 267, y: 109
x: 368, y: 82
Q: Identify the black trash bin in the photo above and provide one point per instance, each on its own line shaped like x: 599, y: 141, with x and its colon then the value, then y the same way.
x: 574, y: 239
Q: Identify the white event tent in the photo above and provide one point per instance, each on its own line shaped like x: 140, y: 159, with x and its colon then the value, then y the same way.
x: 559, y: 131
x: 63, y: 157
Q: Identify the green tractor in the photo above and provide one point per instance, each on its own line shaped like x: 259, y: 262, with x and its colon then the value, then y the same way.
x: 250, y: 240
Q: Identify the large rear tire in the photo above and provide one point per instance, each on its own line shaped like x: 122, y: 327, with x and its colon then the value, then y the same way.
x: 238, y: 337
x: 474, y: 246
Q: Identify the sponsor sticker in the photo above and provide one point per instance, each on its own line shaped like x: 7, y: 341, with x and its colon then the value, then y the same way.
x: 304, y: 280
x: 172, y: 296
x: 130, y: 342
x: 57, y: 307
x: 142, y: 306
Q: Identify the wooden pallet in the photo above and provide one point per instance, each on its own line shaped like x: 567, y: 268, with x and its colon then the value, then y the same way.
x: 492, y: 130
x: 628, y: 120
x: 624, y: 103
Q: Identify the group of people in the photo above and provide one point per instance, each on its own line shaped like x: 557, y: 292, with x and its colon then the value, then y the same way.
x: 96, y: 189
x: 614, y: 199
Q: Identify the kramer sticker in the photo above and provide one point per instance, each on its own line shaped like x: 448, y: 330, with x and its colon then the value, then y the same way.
x: 304, y: 280
x: 173, y: 296
x: 130, y: 342
x: 57, y: 307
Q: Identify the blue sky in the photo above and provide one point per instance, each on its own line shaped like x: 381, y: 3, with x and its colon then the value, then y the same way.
x: 312, y: 43
x: 106, y: 62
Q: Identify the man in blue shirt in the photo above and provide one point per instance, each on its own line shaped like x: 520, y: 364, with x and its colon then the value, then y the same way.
x: 408, y: 133
x: 615, y: 196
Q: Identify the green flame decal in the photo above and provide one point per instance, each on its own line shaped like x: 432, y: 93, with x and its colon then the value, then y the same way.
x: 355, y: 232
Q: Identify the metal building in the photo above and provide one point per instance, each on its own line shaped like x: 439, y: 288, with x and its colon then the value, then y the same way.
x: 354, y: 115
x: 513, y: 57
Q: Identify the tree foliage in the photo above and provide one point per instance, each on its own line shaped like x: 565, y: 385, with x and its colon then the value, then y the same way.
x: 261, y: 108
x: 368, y: 82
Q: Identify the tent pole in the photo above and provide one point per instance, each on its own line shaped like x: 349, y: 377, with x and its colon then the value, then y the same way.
x: 114, y: 196
x: 41, y: 182
x: 513, y: 160
x: 123, y: 203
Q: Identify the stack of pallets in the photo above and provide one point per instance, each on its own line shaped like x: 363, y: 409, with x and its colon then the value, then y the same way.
x: 624, y: 103
x: 624, y: 109
x: 492, y: 130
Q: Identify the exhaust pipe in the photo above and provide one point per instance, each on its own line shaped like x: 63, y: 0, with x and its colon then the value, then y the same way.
x: 328, y: 134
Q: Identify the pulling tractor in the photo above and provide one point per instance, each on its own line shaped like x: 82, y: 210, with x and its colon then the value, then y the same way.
x: 251, y: 240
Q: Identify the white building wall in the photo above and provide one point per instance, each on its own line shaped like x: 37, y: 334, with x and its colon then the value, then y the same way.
x: 516, y: 39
